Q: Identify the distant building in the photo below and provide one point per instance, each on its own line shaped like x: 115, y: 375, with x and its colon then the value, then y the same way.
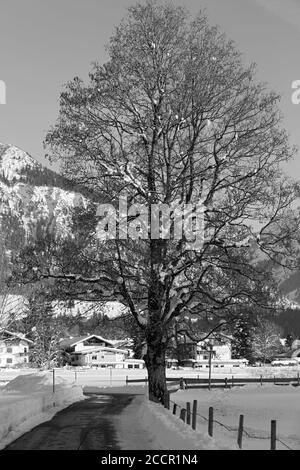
x: 292, y: 353
x: 83, y: 343
x: 95, y: 351
x: 196, y: 354
x: 14, y: 349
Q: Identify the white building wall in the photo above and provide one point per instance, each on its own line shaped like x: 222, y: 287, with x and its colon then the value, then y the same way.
x: 220, y: 352
x: 106, y: 359
x: 13, y: 354
x: 223, y: 352
x: 104, y: 356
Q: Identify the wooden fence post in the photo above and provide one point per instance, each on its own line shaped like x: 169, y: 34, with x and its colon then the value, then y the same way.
x: 298, y: 377
x: 188, y: 413
x: 174, y: 409
x: 182, y: 384
x: 232, y: 381
x: 75, y: 375
x: 167, y: 400
x: 240, y: 432
x: 194, y: 415
x: 53, y: 385
x: 273, y: 435
x: 126, y: 379
x: 225, y: 382
x: 261, y: 380
x: 183, y: 414
x: 210, y: 421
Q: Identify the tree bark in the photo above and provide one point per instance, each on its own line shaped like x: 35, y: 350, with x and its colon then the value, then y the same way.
x: 156, y: 367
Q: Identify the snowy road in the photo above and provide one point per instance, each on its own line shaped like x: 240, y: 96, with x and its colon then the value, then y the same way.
x: 86, y: 425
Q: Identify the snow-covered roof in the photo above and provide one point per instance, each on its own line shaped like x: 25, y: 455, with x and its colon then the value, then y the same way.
x: 128, y: 343
x: 216, y: 337
x: 20, y: 336
x: 70, y: 342
x: 99, y: 349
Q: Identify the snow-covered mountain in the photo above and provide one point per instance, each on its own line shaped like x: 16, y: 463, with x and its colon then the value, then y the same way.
x: 15, y: 307
x: 32, y: 197
x: 87, y: 309
x: 290, y: 287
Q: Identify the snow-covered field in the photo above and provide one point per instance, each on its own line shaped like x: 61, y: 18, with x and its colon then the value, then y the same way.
x: 258, y: 404
x: 28, y: 400
x: 117, y: 377
x: 146, y: 425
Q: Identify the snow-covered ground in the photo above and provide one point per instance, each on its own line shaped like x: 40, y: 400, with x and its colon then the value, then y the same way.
x: 258, y: 404
x: 28, y: 400
x: 148, y: 426
x: 117, y: 377
x: 145, y: 425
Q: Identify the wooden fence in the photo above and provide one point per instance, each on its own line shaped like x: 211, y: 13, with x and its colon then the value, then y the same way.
x: 197, y: 382
x: 189, y: 413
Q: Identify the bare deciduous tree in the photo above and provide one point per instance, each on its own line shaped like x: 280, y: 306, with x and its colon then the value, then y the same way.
x: 173, y: 117
x: 266, y: 340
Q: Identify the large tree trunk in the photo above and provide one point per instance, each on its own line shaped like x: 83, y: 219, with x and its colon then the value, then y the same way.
x: 156, y: 366
x: 155, y: 357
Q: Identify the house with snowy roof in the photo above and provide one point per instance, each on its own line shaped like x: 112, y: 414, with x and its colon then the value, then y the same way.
x: 193, y: 353
x: 96, y: 351
x: 14, y: 349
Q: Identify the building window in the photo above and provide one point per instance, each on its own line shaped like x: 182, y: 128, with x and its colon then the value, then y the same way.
x: 9, y: 350
x: 25, y: 350
x: 130, y: 366
x: 136, y: 366
x: 9, y: 361
x: 94, y: 358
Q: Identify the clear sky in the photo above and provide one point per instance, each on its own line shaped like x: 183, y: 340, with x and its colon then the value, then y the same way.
x: 44, y: 43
